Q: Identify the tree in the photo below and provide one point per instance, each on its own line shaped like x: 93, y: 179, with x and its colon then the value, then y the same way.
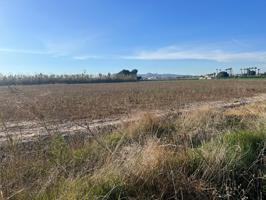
x: 128, y: 75
x: 134, y: 72
x: 222, y: 74
x: 251, y: 73
x: 124, y: 72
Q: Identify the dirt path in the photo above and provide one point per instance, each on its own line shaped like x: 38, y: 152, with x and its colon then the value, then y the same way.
x: 32, y: 130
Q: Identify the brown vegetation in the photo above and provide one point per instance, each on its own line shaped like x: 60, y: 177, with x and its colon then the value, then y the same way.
x: 208, y: 153
x: 97, y: 101
x: 203, y: 154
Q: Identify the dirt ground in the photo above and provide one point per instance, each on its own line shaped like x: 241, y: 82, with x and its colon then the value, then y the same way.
x: 25, y: 131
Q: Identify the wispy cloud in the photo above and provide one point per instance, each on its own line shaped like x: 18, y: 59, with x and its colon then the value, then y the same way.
x: 74, y: 47
x: 86, y: 57
x: 52, y: 53
x: 166, y: 53
x: 24, y: 51
x: 175, y: 53
x: 100, y: 57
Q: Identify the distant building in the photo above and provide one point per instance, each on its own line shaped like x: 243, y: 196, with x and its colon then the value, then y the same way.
x: 207, y: 76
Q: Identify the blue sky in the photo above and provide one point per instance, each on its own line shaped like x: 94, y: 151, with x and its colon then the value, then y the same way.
x: 100, y: 36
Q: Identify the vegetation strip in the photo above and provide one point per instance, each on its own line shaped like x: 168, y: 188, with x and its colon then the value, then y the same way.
x: 206, y: 154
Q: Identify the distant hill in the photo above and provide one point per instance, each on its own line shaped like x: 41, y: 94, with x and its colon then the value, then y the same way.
x: 156, y: 76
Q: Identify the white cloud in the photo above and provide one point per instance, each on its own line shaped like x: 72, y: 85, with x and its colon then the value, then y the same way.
x: 86, y: 57
x: 174, y: 53
x: 166, y: 53
x: 50, y: 52
x: 105, y: 56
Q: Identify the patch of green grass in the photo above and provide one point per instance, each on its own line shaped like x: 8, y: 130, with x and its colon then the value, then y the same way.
x: 90, y: 155
x: 110, y: 189
x: 113, y: 139
x: 232, y: 157
x: 107, y: 187
x: 248, y: 143
x: 59, y: 151
x: 243, y: 146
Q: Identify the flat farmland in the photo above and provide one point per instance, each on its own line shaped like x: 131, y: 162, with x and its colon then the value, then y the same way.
x: 100, y: 101
x: 164, y: 139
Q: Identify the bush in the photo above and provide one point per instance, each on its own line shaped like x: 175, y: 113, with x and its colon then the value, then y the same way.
x: 222, y: 75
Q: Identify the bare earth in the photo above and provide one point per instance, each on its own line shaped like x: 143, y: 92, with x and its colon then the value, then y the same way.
x: 32, y: 130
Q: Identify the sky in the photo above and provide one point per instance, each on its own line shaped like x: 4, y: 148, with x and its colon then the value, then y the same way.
x: 160, y: 36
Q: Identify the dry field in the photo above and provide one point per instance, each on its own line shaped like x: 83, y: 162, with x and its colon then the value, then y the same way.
x: 98, y: 101
x: 210, y: 152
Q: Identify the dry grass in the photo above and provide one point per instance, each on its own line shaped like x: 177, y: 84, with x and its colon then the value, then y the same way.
x: 208, y: 153
x: 203, y: 154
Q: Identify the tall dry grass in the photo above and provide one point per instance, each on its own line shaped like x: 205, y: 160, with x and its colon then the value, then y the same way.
x: 202, y: 154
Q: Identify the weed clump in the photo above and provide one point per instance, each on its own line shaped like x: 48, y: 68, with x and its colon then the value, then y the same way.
x: 151, y: 126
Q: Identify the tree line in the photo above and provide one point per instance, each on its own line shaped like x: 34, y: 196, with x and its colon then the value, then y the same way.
x: 19, y: 79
